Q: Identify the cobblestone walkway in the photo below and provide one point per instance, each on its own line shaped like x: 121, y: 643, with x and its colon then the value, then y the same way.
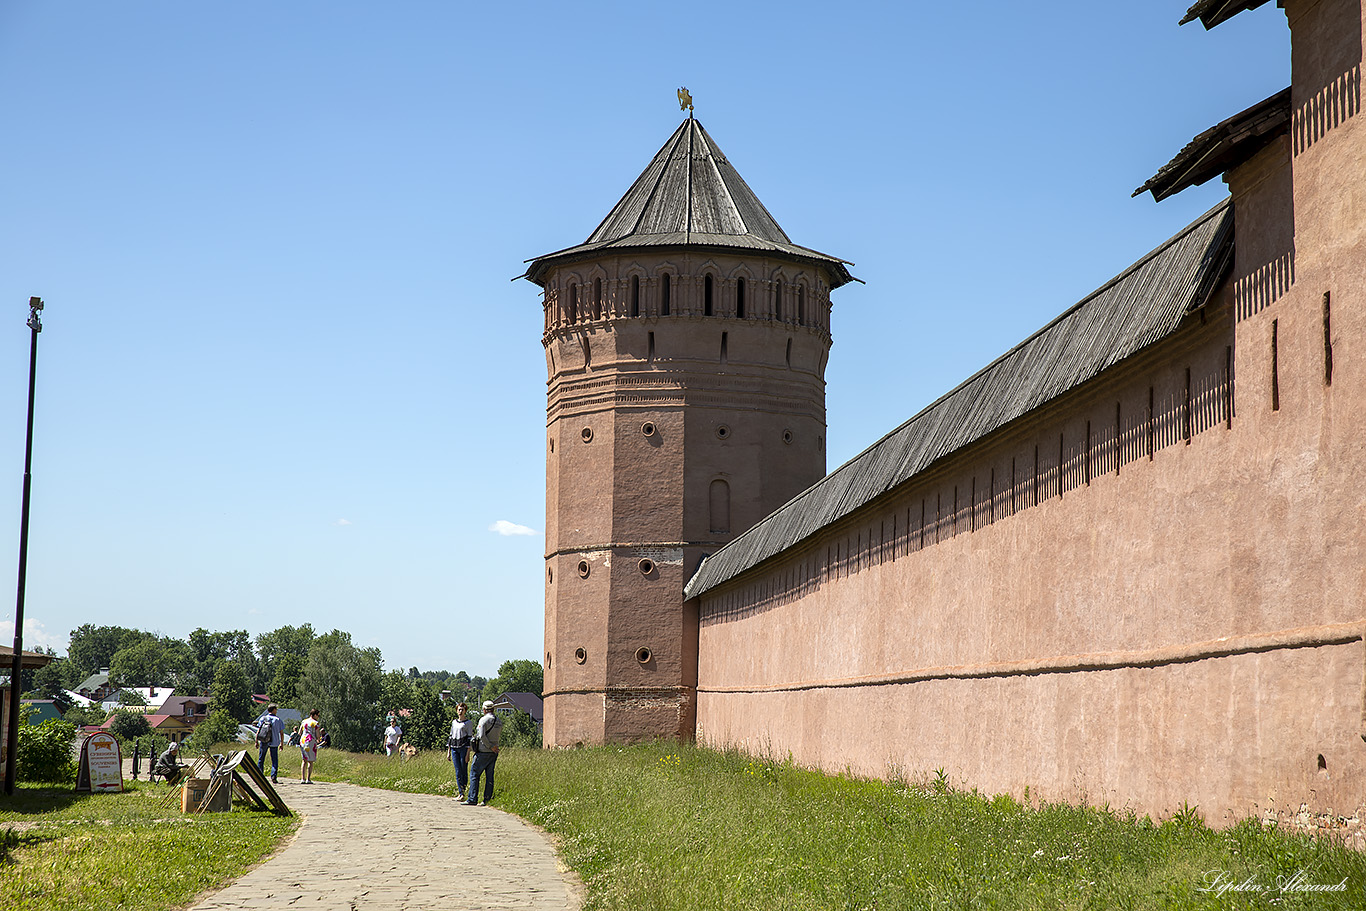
x: 362, y: 848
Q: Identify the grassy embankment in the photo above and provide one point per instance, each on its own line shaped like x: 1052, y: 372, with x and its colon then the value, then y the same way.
x: 665, y: 827
x: 62, y: 851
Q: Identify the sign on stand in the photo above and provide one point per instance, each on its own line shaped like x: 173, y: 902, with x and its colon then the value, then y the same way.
x: 101, y: 769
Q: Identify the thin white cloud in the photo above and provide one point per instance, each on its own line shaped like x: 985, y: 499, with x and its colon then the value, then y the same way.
x: 505, y: 528
x: 342, y: 522
x: 34, y: 635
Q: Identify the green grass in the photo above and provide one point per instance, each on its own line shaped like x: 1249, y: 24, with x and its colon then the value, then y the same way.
x: 668, y: 827
x: 67, y: 852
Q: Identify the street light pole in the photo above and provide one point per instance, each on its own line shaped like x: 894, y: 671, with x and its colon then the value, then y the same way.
x: 35, y: 306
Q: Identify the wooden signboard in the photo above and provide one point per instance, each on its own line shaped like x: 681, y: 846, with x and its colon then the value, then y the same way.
x: 101, y: 768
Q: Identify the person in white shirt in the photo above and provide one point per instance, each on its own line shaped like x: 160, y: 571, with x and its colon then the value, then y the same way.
x: 392, y: 735
x: 486, y: 738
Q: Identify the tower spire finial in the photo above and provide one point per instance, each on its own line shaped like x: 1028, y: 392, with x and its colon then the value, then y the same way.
x: 685, y: 101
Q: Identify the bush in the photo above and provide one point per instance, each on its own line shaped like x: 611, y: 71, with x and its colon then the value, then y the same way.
x: 129, y: 725
x: 521, y: 731
x: 80, y: 715
x: 45, y: 751
x: 219, y: 727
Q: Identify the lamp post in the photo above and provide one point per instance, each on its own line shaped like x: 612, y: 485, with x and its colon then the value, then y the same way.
x: 35, y: 306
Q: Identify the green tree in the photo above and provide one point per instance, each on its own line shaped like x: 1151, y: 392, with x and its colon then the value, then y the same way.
x: 50, y: 680
x: 343, y: 683
x: 93, y: 647
x: 128, y: 725
x: 428, y: 727
x: 230, y: 692
x: 209, y: 649
x: 396, y: 693
x: 333, y: 639
x: 519, y: 676
x: 219, y: 727
x: 273, y: 646
x: 283, y: 689
x: 131, y: 697
x: 152, y: 661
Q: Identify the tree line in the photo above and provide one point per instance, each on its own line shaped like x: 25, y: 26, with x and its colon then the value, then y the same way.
x: 292, y: 666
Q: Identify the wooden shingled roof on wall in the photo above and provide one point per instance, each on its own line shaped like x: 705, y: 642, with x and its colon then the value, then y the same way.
x: 1141, y: 306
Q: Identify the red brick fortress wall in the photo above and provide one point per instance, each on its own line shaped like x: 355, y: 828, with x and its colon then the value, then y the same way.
x: 1148, y: 592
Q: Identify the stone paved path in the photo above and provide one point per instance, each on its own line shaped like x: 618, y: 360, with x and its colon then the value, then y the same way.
x: 362, y: 848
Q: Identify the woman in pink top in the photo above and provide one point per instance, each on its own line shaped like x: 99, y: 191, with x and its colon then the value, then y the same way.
x: 308, y: 744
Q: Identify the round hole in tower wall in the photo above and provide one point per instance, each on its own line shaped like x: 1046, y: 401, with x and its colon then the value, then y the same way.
x: 586, y: 434
x: 787, y: 436
x: 722, y: 431
x: 643, y: 655
x: 583, y: 569
x: 580, y: 656
x: 647, y: 566
x: 648, y: 428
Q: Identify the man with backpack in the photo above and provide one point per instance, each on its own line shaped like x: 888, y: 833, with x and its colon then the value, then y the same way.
x: 270, y: 732
x: 486, y: 737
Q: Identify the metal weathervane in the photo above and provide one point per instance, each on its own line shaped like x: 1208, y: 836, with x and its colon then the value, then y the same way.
x: 684, y: 100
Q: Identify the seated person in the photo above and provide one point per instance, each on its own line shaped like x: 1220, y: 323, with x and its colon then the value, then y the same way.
x: 166, y: 766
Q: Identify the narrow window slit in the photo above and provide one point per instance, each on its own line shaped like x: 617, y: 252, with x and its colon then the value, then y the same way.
x: 1186, y: 421
x: 1228, y: 386
x: 1086, y: 457
x: 1275, y: 367
x: 1151, y: 429
x: 1327, y: 340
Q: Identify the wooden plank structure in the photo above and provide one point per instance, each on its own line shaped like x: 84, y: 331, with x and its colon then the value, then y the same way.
x: 244, y: 776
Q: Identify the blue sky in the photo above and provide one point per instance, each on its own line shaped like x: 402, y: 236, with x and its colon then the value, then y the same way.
x: 284, y: 376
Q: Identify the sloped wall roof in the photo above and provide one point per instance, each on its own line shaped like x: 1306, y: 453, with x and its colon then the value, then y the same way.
x: 1133, y: 310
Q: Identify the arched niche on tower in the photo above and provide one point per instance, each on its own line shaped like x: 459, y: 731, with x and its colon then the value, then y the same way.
x: 665, y: 285
x: 596, y: 285
x: 635, y: 281
x: 707, y: 282
x: 779, y: 289
x: 571, y: 297
x: 741, y: 283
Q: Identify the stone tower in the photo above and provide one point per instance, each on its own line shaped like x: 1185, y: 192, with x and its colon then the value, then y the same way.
x: 686, y: 343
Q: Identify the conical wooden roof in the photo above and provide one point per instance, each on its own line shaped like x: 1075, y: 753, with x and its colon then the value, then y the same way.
x: 690, y: 196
